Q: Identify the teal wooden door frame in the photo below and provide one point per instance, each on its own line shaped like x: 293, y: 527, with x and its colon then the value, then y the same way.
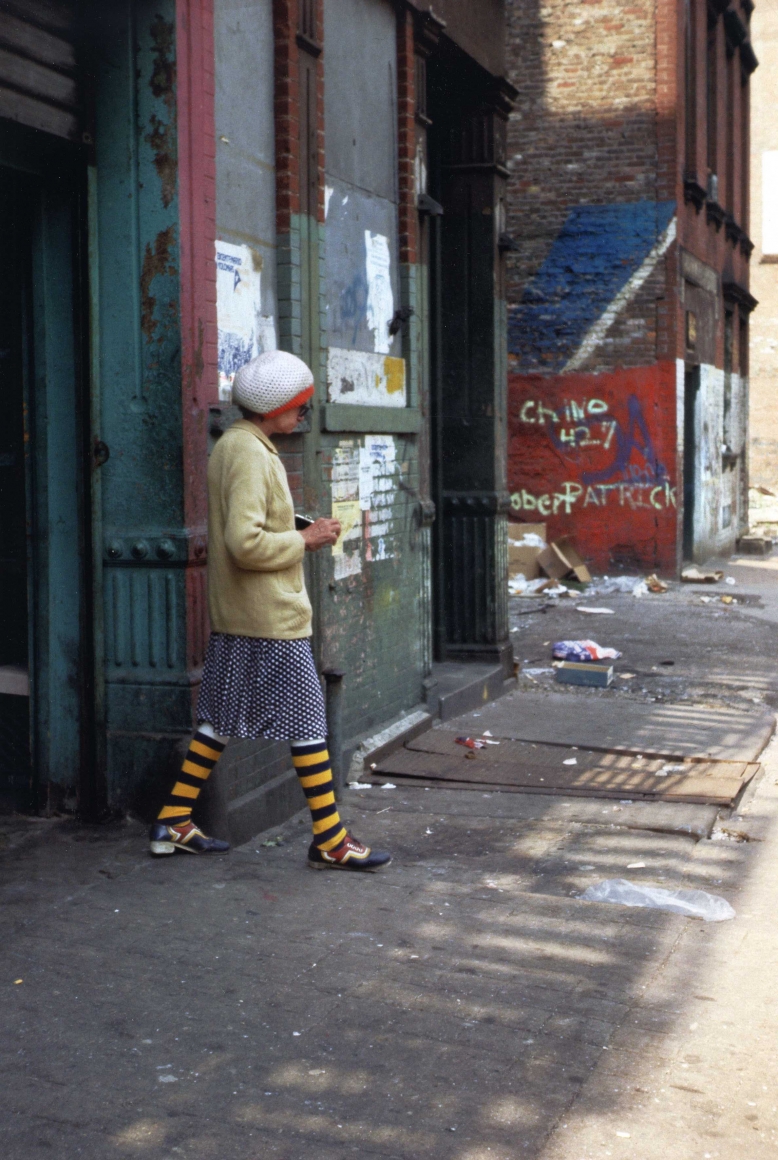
x: 53, y: 178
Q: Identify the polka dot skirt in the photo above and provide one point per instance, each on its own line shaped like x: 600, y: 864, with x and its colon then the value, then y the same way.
x: 254, y: 687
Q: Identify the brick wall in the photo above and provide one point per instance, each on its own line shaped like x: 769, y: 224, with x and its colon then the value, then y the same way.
x: 610, y: 199
x: 583, y: 127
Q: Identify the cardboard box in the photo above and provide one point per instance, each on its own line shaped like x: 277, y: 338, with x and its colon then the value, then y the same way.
x: 594, y: 676
x: 561, y: 558
x: 524, y: 559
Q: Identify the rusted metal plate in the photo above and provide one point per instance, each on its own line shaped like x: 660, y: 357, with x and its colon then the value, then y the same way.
x: 533, y: 768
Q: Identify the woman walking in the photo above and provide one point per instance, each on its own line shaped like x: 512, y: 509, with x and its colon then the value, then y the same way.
x: 259, y: 677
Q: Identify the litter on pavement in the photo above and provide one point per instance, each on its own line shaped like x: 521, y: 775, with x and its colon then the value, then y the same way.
x: 693, y: 903
x: 583, y: 650
x: 594, y: 611
x: 588, y: 674
x: 475, y: 742
x: 519, y: 585
x: 523, y: 551
x: 693, y: 575
x: 604, y: 585
x: 562, y: 558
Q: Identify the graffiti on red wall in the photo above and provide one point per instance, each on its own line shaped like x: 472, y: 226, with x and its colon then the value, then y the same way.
x: 591, y: 454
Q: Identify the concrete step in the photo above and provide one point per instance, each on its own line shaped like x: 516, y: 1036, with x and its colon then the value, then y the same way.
x: 462, y: 687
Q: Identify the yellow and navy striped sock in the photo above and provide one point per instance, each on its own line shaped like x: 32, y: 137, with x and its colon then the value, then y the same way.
x: 202, y: 755
x: 312, y: 762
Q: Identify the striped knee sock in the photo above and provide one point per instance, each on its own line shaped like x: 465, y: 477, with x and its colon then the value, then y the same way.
x: 203, y: 753
x: 312, y: 762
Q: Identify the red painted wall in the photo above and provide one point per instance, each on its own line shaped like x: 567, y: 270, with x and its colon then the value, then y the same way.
x: 594, y: 456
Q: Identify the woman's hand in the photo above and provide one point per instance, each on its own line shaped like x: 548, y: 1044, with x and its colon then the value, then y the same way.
x: 320, y: 533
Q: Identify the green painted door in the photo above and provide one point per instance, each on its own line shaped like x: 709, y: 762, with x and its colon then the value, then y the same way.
x: 15, y: 764
x: 45, y: 633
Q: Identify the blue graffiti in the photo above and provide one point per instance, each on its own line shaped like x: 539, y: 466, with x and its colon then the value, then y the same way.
x: 353, y: 305
x: 597, y: 250
x: 634, y: 436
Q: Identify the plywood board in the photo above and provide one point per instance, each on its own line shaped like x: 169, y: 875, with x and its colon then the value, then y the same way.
x: 531, y: 768
x: 610, y: 723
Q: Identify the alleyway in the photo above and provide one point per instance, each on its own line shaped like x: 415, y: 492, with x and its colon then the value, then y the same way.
x: 465, y: 1004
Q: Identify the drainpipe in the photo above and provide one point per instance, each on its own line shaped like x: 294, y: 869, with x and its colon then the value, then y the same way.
x: 334, y: 698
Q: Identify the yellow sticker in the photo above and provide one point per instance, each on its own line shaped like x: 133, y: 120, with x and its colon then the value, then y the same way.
x: 394, y: 371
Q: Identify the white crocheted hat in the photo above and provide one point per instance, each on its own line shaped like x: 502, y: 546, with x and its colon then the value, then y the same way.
x: 273, y: 382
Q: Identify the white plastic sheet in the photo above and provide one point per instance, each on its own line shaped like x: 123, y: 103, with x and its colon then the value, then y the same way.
x: 693, y: 903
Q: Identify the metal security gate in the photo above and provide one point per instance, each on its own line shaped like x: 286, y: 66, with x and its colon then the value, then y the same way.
x: 38, y: 81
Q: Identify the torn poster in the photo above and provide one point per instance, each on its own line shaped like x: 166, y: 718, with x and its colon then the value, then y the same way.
x: 381, y: 448
x: 365, y: 479
x: 243, y: 331
x: 350, y: 517
x: 380, y: 302
x: 345, y: 472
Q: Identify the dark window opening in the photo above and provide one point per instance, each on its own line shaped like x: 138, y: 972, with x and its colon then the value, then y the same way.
x: 745, y: 153
x: 743, y: 347
x: 306, y: 18
x: 711, y: 98
x: 691, y: 88
x: 421, y: 88
x: 730, y: 135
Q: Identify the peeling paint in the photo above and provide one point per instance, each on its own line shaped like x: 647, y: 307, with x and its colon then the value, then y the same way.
x: 162, y: 139
x: 162, y: 135
x: 157, y: 261
x: 163, y: 72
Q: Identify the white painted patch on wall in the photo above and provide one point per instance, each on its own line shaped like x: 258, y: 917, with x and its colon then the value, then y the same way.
x: 243, y: 331
x: 596, y: 333
x: 770, y: 202
x: 328, y: 192
x: 358, y: 376
x: 420, y: 170
x: 380, y: 301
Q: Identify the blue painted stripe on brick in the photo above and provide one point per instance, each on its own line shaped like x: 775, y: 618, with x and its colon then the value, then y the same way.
x: 598, y: 249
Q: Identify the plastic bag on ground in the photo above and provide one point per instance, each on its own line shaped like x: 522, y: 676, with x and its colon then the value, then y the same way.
x: 692, y: 903
x: 519, y: 585
x: 604, y: 585
x: 583, y: 650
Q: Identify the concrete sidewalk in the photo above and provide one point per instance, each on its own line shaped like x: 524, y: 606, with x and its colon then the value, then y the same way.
x: 463, y: 1005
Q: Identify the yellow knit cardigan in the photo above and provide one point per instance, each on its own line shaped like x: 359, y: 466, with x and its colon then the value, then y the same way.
x: 255, y: 571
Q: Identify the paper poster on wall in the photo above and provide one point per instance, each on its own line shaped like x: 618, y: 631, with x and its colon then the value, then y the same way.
x: 243, y: 331
x: 350, y: 517
x: 345, y: 472
x: 381, y: 448
x: 365, y: 479
x: 380, y: 301
x: 346, y: 552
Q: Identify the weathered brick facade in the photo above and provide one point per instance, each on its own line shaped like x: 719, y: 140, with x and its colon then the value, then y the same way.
x: 627, y: 207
